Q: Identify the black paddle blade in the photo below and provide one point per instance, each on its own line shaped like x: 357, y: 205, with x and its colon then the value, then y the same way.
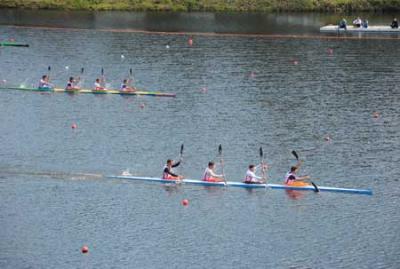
x: 181, y: 149
x: 295, y: 154
x: 82, y: 70
x: 316, y: 189
x: 102, y: 71
x: 220, y: 149
x: 130, y: 71
x: 261, y: 152
x: 49, y: 68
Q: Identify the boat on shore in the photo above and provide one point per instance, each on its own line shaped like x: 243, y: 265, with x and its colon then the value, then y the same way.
x: 242, y: 185
x: 78, y: 91
x: 351, y: 29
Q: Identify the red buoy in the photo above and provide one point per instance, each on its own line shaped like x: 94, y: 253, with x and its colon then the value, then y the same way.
x: 185, y: 202
x: 190, y: 41
x: 74, y: 126
x: 85, y: 249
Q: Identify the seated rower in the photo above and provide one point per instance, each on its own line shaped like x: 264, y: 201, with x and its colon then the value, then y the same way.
x: 357, y: 22
x: 168, y: 173
x: 291, y: 177
x: 395, y: 24
x: 125, y: 86
x: 251, y: 177
x: 210, y: 175
x: 44, y: 83
x: 343, y: 24
x: 98, y: 86
x: 72, y: 84
x: 365, y: 23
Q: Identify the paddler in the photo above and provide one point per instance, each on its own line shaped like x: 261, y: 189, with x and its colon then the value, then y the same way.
x: 395, y: 24
x: 72, y: 84
x: 357, y: 22
x: 168, y: 173
x: 210, y: 175
x: 343, y: 24
x: 44, y: 83
x: 292, y: 178
x: 98, y: 86
x: 125, y: 86
x: 251, y: 177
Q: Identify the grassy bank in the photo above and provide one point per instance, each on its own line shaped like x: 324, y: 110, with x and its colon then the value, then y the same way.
x: 209, y: 5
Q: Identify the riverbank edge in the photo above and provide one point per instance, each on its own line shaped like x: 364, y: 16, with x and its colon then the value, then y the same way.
x: 334, y: 6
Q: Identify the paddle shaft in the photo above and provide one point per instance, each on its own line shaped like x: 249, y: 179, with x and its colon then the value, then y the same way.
x: 262, y: 164
x: 222, y: 162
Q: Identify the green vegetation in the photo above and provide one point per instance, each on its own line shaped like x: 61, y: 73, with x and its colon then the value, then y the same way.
x: 209, y: 5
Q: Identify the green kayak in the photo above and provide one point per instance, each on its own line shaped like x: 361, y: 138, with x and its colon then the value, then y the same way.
x: 13, y: 44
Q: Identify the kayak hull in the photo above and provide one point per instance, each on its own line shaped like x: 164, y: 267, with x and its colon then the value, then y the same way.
x: 244, y: 185
x: 12, y: 44
x: 60, y: 90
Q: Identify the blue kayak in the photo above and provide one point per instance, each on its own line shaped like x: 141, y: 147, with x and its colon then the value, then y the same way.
x: 244, y: 185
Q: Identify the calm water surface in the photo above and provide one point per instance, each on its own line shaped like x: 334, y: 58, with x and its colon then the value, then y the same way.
x: 241, y: 92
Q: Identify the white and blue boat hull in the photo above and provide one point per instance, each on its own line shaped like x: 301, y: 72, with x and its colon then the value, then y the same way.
x: 244, y: 185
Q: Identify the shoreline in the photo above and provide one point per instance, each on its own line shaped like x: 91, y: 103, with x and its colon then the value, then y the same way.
x: 333, y: 6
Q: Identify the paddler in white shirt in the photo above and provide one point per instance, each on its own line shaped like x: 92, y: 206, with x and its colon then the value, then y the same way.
x: 44, y: 83
x: 251, y: 177
x: 98, y: 86
x: 168, y: 173
x: 210, y: 175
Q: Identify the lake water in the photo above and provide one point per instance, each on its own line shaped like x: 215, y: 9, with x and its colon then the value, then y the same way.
x: 271, y: 90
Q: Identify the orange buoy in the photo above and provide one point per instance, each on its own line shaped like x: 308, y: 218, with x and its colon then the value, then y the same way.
x: 185, y: 202
x: 190, y: 41
x: 85, y: 249
x: 74, y: 126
